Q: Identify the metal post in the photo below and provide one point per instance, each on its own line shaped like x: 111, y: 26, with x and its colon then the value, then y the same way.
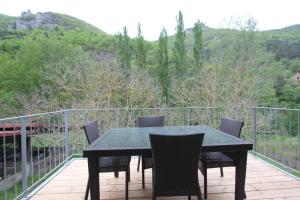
x: 298, y: 140
x: 24, y: 157
x: 188, y: 116
x: 66, y: 116
x: 254, y: 130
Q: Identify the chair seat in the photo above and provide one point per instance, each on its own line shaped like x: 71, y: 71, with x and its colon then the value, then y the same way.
x: 116, y: 163
x: 216, y: 159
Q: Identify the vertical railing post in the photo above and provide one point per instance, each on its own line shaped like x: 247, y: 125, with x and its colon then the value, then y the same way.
x: 254, y: 129
x: 66, y: 122
x: 298, y: 140
x: 24, y: 157
x: 188, y: 110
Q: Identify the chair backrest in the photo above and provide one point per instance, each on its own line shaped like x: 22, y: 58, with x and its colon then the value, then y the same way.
x: 176, y: 160
x: 231, y: 126
x: 150, y: 121
x: 91, y: 131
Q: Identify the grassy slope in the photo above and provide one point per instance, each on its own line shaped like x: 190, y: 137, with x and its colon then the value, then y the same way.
x: 6, y: 20
x: 291, y: 33
x: 69, y: 22
x: 211, y: 36
x: 65, y: 21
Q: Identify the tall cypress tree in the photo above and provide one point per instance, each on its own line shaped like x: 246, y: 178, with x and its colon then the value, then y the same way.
x: 120, y: 49
x: 179, y: 50
x: 198, y: 44
x: 163, y: 64
x: 140, y: 51
x: 127, y: 48
x: 124, y: 49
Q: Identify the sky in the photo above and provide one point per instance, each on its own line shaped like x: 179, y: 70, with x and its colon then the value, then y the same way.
x: 112, y: 15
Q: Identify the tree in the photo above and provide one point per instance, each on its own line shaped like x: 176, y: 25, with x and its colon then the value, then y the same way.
x: 124, y: 49
x: 243, y: 43
x: 179, y: 49
x: 141, y: 51
x: 127, y: 49
x: 163, y: 64
x: 198, y: 44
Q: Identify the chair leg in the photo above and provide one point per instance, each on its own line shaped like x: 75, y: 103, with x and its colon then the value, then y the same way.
x: 199, y: 195
x: 138, y: 165
x: 128, y: 173
x: 189, y: 197
x: 143, y: 177
x: 153, y: 197
x: 245, y: 197
x: 143, y: 174
x: 153, y: 186
x: 116, y: 174
x: 126, y: 183
x: 87, y: 190
x: 205, y: 182
x: 221, y: 170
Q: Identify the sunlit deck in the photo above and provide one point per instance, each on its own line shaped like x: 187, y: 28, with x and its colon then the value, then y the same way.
x: 263, y: 182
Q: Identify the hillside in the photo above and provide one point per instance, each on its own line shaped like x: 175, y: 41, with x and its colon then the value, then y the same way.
x: 284, y: 43
x: 46, y: 21
x: 47, y: 59
x: 289, y: 33
x: 7, y: 22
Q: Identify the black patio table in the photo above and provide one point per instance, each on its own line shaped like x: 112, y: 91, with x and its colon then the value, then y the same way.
x: 135, y: 141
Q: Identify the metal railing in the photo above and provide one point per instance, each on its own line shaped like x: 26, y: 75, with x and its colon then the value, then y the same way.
x: 277, y: 135
x: 32, y: 147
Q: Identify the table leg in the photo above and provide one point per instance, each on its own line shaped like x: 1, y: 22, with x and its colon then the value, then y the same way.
x: 93, y: 164
x: 240, y: 174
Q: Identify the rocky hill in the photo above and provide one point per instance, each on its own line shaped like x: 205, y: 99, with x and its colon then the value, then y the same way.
x: 46, y: 21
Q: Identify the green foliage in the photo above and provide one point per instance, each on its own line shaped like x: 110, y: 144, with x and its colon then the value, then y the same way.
x: 198, y: 44
x: 7, y: 21
x: 140, y: 49
x: 294, y: 65
x: 34, y: 62
x: 124, y: 49
x: 21, y: 72
x: 89, y: 41
x: 179, y: 50
x: 163, y: 65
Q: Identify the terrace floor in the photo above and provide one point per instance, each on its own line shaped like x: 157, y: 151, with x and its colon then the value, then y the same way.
x: 263, y: 182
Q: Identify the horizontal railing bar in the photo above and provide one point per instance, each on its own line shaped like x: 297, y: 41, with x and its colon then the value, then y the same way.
x: 137, y: 108
x: 272, y: 108
x: 33, y: 115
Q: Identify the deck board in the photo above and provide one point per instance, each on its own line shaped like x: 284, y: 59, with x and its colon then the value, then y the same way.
x: 263, y: 182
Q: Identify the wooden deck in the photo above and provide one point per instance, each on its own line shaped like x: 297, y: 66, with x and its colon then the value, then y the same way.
x: 263, y: 182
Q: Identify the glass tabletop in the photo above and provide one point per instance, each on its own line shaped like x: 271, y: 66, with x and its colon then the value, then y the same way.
x: 138, y: 138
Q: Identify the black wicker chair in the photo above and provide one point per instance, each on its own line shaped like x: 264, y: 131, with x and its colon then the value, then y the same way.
x: 148, y: 121
x: 107, y: 164
x: 175, y: 171
x: 219, y: 159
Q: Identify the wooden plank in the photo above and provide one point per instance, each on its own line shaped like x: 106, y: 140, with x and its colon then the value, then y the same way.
x: 263, y: 182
